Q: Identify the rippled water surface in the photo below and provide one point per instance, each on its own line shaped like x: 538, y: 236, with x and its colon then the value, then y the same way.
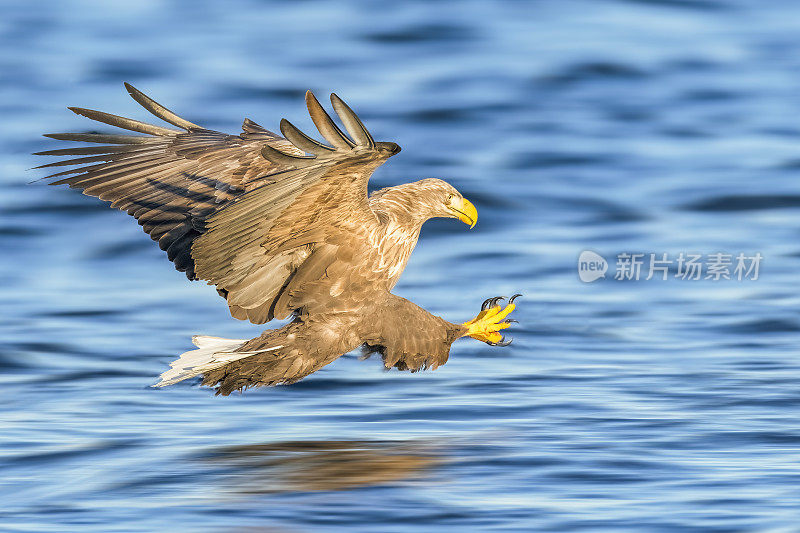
x: 615, y: 126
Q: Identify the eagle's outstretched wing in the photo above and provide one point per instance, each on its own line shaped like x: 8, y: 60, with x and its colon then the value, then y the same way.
x: 249, y: 213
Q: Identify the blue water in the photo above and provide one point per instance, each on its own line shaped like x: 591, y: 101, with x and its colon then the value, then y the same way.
x: 614, y: 126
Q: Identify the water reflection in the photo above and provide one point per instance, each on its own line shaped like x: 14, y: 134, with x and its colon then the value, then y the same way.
x: 322, y: 465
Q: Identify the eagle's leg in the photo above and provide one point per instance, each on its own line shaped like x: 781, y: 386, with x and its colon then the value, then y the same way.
x: 487, y: 325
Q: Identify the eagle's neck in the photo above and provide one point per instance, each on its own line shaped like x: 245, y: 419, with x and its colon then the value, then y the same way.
x: 401, y: 206
x: 400, y: 224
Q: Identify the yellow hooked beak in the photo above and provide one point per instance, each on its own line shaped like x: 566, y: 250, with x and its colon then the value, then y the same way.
x: 464, y: 211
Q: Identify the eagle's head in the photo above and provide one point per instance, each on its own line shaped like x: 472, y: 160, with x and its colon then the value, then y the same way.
x: 414, y: 203
x: 442, y: 200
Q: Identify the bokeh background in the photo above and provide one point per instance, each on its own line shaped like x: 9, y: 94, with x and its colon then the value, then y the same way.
x: 616, y: 126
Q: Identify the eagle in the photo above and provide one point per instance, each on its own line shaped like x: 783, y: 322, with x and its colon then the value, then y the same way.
x: 285, y: 228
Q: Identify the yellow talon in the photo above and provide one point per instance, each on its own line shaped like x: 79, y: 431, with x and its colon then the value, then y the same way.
x: 490, y: 321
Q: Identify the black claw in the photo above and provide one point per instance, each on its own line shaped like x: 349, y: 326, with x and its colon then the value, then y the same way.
x: 491, y: 302
x: 502, y: 343
x: 511, y: 300
x: 511, y: 321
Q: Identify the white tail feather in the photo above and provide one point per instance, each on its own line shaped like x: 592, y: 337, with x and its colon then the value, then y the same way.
x: 211, y: 353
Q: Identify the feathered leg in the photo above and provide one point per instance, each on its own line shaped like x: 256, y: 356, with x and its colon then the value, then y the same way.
x: 284, y: 355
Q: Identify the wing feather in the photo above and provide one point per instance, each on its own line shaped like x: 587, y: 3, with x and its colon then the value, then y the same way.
x: 303, y: 141
x: 351, y: 121
x: 249, y: 213
x: 121, y: 122
x: 98, y: 138
x: 158, y: 110
x: 325, y: 124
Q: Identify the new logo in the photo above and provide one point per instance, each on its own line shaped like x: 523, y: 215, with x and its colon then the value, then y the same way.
x: 591, y: 266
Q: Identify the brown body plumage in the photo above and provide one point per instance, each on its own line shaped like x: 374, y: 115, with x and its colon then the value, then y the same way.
x: 282, y: 226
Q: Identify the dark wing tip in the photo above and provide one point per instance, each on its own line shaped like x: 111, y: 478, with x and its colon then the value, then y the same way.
x: 324, y: 123
x: 159, y: 110
x: 391, y: 148
x: 351, y: 122
x: 132, y: 91
x: 311, y: 100
x: 280, y: 158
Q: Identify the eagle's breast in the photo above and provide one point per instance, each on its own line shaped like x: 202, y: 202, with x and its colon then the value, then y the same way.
x: 394, y: 247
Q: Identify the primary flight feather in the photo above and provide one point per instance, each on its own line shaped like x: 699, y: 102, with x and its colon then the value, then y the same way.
x: 282, y: 226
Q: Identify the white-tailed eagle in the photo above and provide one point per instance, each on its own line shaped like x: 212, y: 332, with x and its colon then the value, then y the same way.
x: 282, y: 226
